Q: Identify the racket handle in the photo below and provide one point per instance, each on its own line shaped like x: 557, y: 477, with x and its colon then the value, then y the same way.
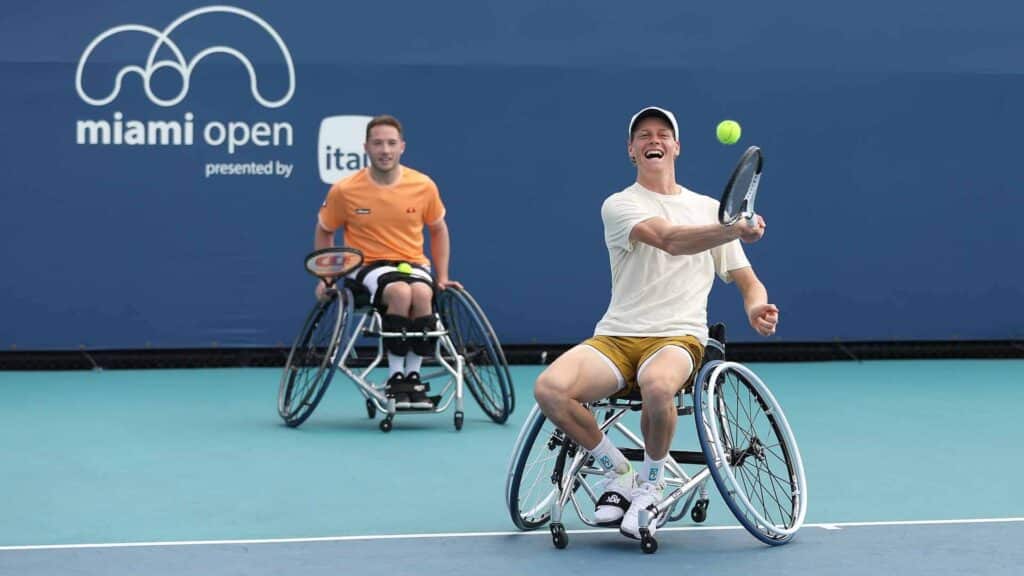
x: 752, y: 219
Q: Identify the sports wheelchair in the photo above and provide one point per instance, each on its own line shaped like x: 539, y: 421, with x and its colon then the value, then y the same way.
x: 746, y: 447
x: 467, y: 353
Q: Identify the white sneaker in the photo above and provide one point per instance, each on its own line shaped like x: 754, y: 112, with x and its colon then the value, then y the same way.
x: 615, y: 498
x: 642, y: 497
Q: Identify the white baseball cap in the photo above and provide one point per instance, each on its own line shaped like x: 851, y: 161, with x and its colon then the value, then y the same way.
x: 657, y: 113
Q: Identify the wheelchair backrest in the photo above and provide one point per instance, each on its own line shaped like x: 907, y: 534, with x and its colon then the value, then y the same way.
x: 715, y: 348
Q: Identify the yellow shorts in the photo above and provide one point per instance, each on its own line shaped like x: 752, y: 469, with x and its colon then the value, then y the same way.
x: 628, y: 354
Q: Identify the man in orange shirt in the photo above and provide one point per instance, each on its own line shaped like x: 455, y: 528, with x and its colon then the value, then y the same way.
x: 383, y: 209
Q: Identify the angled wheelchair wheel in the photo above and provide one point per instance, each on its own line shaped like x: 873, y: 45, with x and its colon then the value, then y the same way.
x: 530, y: 488
x: 311, y: 361
x: 751, y: 451
x: 486, y: 370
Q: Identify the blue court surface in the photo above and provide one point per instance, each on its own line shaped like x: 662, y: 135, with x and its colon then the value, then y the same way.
x: 913, y: 467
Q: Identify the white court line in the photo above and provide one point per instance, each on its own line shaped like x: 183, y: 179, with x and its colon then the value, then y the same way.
x: 540, y: 532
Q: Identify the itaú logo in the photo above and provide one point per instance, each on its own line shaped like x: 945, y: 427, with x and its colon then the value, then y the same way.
x: 181, y: 65
x: 340, y: 146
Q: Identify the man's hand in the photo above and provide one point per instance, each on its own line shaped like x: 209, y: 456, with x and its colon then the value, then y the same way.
x: 764, y: 318
x: 751, y: 232
x: 321, y: 291
x: 445, y: 283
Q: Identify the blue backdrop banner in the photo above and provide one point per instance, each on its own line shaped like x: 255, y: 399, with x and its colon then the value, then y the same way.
x: 164, y: 163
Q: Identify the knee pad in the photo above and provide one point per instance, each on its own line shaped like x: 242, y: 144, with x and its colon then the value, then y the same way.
x: 420, y: 345
x: 395, y: 323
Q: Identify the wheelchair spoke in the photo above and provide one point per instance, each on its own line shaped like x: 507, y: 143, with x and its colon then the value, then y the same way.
x: 474, y: 354
x: 756, y: 481
x: 539, y: 480
x: 303, y: 387
x: 484, y: 376
x: 541, y: 508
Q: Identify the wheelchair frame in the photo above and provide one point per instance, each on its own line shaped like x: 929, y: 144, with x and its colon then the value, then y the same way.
x: 720, y: 454
x: 369, y: 325
x: 346, y: 331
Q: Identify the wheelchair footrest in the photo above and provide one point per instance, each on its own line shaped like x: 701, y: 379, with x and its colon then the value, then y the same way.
x: 413, y: 409
x: 434, y: 400
x: 680, y: 456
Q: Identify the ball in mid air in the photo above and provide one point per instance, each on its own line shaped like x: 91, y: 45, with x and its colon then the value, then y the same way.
x: 728, y: 132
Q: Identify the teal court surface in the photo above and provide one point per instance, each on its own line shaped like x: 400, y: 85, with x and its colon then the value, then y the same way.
x: 913, y: 467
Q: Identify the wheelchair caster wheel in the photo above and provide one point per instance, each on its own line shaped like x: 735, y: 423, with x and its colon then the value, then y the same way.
x: 647, y: 542
x: 385, y: 424
x: 371, y: 410
x: 700, y: 511
x: 458, y: 420
x: 558, y: 536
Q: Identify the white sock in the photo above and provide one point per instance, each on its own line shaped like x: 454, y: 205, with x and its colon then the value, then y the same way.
x: 396, y: 364
x: 413, y: 361
x: 653, y: 471
x: 610, y: 458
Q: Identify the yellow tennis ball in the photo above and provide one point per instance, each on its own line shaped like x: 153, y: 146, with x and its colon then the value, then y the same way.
x: 728, y: 131
x: 405, y: 268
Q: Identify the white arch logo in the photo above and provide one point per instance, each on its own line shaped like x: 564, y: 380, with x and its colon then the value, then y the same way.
x: 179, y: 64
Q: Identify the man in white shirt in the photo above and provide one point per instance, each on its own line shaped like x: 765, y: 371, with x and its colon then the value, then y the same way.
x: 665, y: 246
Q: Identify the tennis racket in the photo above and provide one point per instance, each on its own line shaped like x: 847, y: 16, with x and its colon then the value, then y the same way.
x: 329, y: 264
x: 738, y: 199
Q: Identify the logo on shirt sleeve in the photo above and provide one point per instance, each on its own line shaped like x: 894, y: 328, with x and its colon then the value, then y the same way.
x: 362, y: 211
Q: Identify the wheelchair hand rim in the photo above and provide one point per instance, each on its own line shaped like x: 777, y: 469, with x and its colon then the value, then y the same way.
x: 723, y: 471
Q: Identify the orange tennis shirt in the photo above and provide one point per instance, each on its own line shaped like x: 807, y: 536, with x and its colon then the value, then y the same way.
x: 384, y: 222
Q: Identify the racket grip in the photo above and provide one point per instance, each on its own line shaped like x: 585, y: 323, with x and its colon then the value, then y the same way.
x: 752, y: 219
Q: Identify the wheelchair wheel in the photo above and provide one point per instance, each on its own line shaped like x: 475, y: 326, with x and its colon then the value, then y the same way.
x: 311, y: 364
x: 486, y: 370
x: 751, y: 451
x: 529, y: 488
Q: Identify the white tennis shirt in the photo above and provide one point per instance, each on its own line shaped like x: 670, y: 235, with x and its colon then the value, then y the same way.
x: 653, y: 292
